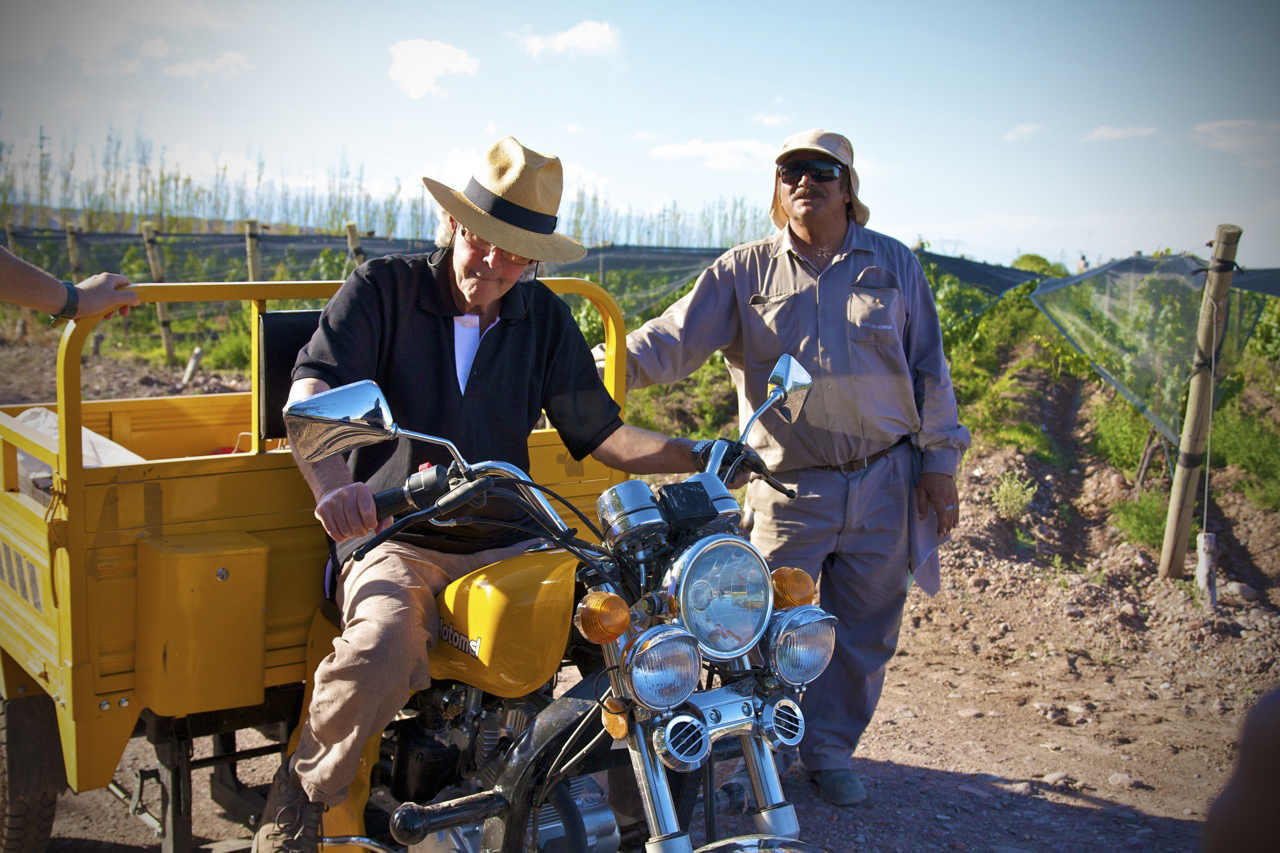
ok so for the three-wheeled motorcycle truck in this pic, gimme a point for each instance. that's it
(169, 583)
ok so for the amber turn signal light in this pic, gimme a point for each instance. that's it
(602, 616)
(614, 717)
(792, 587)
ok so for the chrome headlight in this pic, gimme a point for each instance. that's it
(661, 667)
(725, 595)
(800, 644)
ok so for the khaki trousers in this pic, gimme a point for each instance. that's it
(389, 622)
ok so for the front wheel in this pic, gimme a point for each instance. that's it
(760, 844)
(31, 773)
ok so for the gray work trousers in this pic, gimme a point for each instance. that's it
(851, 533)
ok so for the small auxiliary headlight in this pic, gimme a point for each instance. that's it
(801, 642)
(792, 587)
(602, 617)
(661, 667)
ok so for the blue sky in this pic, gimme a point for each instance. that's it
(985, 128)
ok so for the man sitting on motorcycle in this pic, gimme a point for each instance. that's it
(465, 344)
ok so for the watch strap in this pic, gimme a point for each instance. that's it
(68, 311)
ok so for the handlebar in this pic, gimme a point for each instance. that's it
(420, 491)
(425, 483)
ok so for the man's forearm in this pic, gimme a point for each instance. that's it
(639, 451)
(30, 286)
(327, 474)
(324, 476)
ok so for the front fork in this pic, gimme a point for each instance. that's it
(773, 815)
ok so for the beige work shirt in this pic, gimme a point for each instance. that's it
(865, 328)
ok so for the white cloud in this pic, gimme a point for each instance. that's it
(576, 177)
(588, 37)
(227, 65)
(573, 128)
(1256, 143)
(490, 129)
(205, 165)
(771, 119)
(456, 169)
(1107, 133)
(111, 67)
(733, 155)
(1022, 131)
(90, 30)
(75, 100)
(417, 63)
(156, 48)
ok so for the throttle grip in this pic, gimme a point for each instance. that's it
(418, 492)
(391, 502)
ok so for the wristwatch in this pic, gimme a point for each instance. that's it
(68, 311)
(701, 450)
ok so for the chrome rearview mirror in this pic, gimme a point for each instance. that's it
(794, 382)
(345, 418)
(789, 385)
(339, 420)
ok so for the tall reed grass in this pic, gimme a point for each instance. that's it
(130, 182)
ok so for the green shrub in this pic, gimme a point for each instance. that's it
(231, 352)
(1142, 520)
(1251, 442)
(1012, 495)
(1119, 434)
(705, 405)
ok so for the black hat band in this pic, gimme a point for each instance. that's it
(509, 212)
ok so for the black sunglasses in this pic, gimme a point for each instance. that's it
(820, 171)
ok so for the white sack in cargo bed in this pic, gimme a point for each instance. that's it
(35, 478)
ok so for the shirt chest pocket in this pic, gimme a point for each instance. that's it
(875, 309)
(774, 322)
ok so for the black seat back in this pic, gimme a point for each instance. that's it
(281, 334)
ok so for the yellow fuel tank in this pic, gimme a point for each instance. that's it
(504, 628)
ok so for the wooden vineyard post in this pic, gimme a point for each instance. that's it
(26, 317)
(157, 275)
(353, 244)
(251, 249)
(73, 253)
(1195, 425)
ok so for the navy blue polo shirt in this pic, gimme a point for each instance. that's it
(392, 322)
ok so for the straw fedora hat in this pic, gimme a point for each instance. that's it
(512, 203)
(834, 146)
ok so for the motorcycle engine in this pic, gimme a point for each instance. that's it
(492, 732)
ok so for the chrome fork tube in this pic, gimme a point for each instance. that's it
(651, 776)
(763, 772)
(773, 814)
(759, 760)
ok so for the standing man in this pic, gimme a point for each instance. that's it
(874, 454)
(465, 344)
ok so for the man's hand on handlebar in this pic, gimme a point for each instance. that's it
(751, 462)
(348, 512)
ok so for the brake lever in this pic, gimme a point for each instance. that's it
(777, 485)
(399, 524)
(449, 502)
(758, 468)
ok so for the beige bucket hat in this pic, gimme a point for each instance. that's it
(820, 142)
(512, 203)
